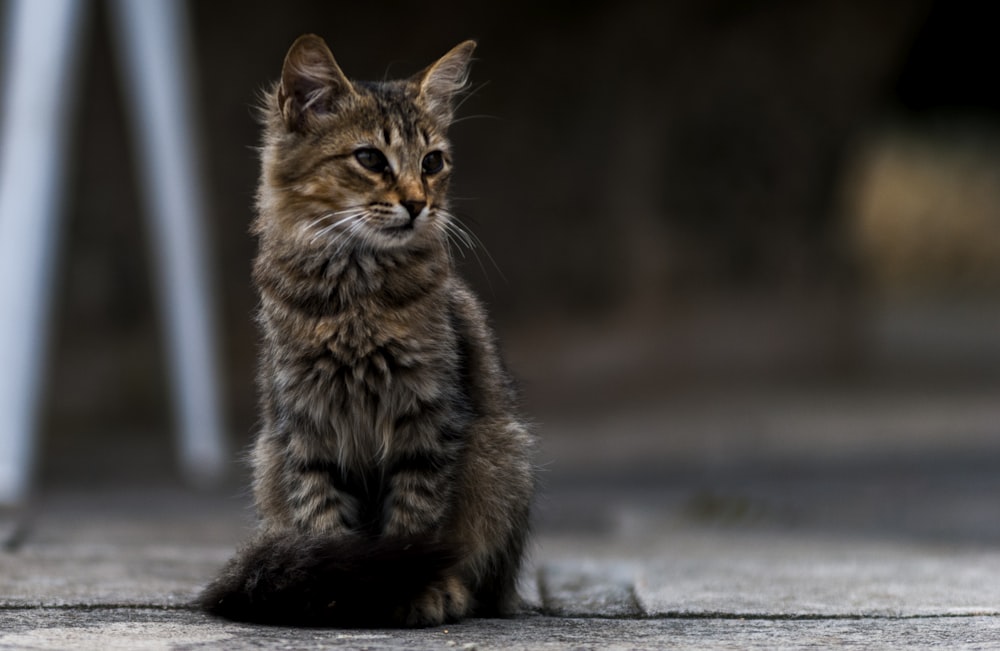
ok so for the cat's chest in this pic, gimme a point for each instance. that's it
(379, 338)
(351, 362)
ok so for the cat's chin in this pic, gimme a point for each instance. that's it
(398, 237)
(403, 231)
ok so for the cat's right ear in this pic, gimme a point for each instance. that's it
(311, 82)
(444, 79)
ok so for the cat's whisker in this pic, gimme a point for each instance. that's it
(452, 224)
(369, 241)
(461, 244)
(475, 243)
(339, 240)
(460, 235)
(335, 213)
(347, 218)
(323, 232)
(469, 95)
(348, 237)
(457, 235)
(329, 214)
(481, 116)
(316, 221)
(342, 240)
(453, 242)
(336, 239)
(445, 229)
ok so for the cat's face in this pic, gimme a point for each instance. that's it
(355, 164)
(373, 172)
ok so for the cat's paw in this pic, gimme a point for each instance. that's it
(445, 601)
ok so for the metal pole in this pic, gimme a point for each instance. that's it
(42, 40)
(153, 51)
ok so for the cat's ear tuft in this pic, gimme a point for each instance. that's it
(311, 82)
(444, 79)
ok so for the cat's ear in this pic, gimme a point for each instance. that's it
(444, 79)
(311, 82)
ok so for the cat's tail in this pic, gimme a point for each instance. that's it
(311, 580)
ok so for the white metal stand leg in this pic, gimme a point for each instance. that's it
(153, 52)
(41, 44)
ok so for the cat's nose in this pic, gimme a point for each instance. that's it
(413, 206)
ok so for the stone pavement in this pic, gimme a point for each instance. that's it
(863, 556)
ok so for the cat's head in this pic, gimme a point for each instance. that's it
(348, 163)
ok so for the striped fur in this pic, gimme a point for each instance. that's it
(389, 432)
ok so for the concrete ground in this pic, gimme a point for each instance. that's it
(852, 548)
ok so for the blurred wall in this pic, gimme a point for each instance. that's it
(659, 187)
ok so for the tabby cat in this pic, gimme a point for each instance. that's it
(392, 474)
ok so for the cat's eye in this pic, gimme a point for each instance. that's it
(372, 159)
(432, 163)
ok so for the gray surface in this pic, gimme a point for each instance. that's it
(148, 629)
(783, 576)
(758, 564)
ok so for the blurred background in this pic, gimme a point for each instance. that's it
(715, 233)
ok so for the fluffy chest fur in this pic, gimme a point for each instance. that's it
(356, 346)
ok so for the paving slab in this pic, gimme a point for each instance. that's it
(105, 575)
(161, 630)
(119, 571)
(704, 575)
(581, 587)
(765, 574)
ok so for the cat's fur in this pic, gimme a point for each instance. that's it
(392, 474)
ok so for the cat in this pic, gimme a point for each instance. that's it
(392, 474)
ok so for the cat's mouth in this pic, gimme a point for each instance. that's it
(399, 228)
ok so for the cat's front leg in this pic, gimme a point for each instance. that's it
(419, 495)
(297, 490)
(317, 487)
(418, 505)
(317, 500)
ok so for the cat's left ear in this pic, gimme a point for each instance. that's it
(311, 82)
(444, 79)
